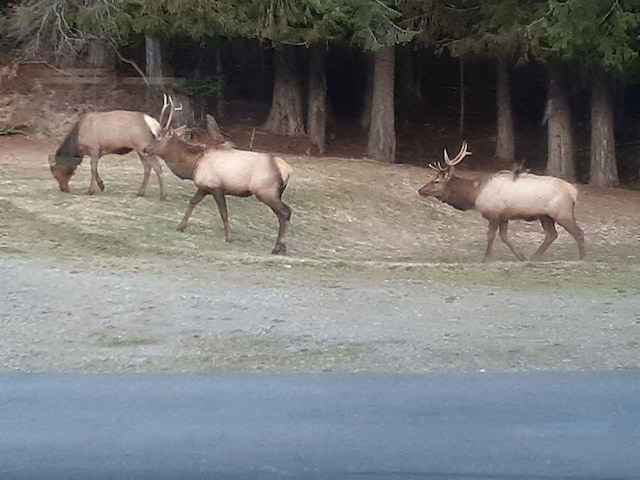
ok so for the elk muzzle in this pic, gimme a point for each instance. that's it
(62, 175)
(429, 190)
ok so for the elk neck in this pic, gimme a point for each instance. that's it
(182, 157)
(68, 153)
(461, 193)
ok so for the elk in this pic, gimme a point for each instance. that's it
(226, 171)
(101, 133)
(503, 196)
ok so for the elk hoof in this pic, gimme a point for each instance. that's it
(91, 191)
(163, 197)
(181, 228)
(279, 249)
(521, 257)
(101, 186)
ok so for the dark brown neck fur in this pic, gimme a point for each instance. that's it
(67, 155)
(182, 157)
(461, 193)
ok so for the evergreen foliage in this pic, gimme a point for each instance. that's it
(597, 34)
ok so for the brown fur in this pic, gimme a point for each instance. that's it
(102, 133)
(225, 171)
(547, 199)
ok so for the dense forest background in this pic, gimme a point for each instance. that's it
(551, 83)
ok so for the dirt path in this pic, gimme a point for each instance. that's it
(57, 317)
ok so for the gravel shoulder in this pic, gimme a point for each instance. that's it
(57, 316)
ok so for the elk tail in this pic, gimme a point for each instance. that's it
(573, 191)
(284, 168)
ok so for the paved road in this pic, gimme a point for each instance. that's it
(188, 426)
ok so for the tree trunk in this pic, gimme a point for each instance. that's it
(100, 54)
(603, 169)
(504, 137)
(382, 135)
(286, 115)
(317, 115)
(560, 148)
(153, 54)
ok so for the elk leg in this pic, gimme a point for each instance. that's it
(283, 212)
(491, 236)
(195, 200)
(504, 230)
(576, 232)
(157, 167)
(95, 177)
(145, 178)
(550, 234)
(218, 194)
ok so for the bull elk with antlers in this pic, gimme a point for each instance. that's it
(102, 133)
(503, 196)
(220, 171)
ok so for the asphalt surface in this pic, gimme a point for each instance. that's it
(326, 426)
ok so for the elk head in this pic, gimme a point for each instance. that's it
(438, 186)
(159, 145)
(61, 172)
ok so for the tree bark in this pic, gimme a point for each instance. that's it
(317, 103)
(504, 138)
(153, 55)
(603, 169)
(286, 114)
(560, 148)
(382, 135)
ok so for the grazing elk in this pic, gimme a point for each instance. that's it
(502, 196)
(101, 133)
(226, 171)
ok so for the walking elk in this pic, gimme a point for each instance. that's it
(226, 171)
(503, 196)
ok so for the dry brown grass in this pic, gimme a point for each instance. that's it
(350, 217)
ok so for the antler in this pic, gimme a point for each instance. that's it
(449, 164)
(165, 105)
(437, 166)
(168, 103)
(458, 158)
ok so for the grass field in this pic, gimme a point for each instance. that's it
(350, 218)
